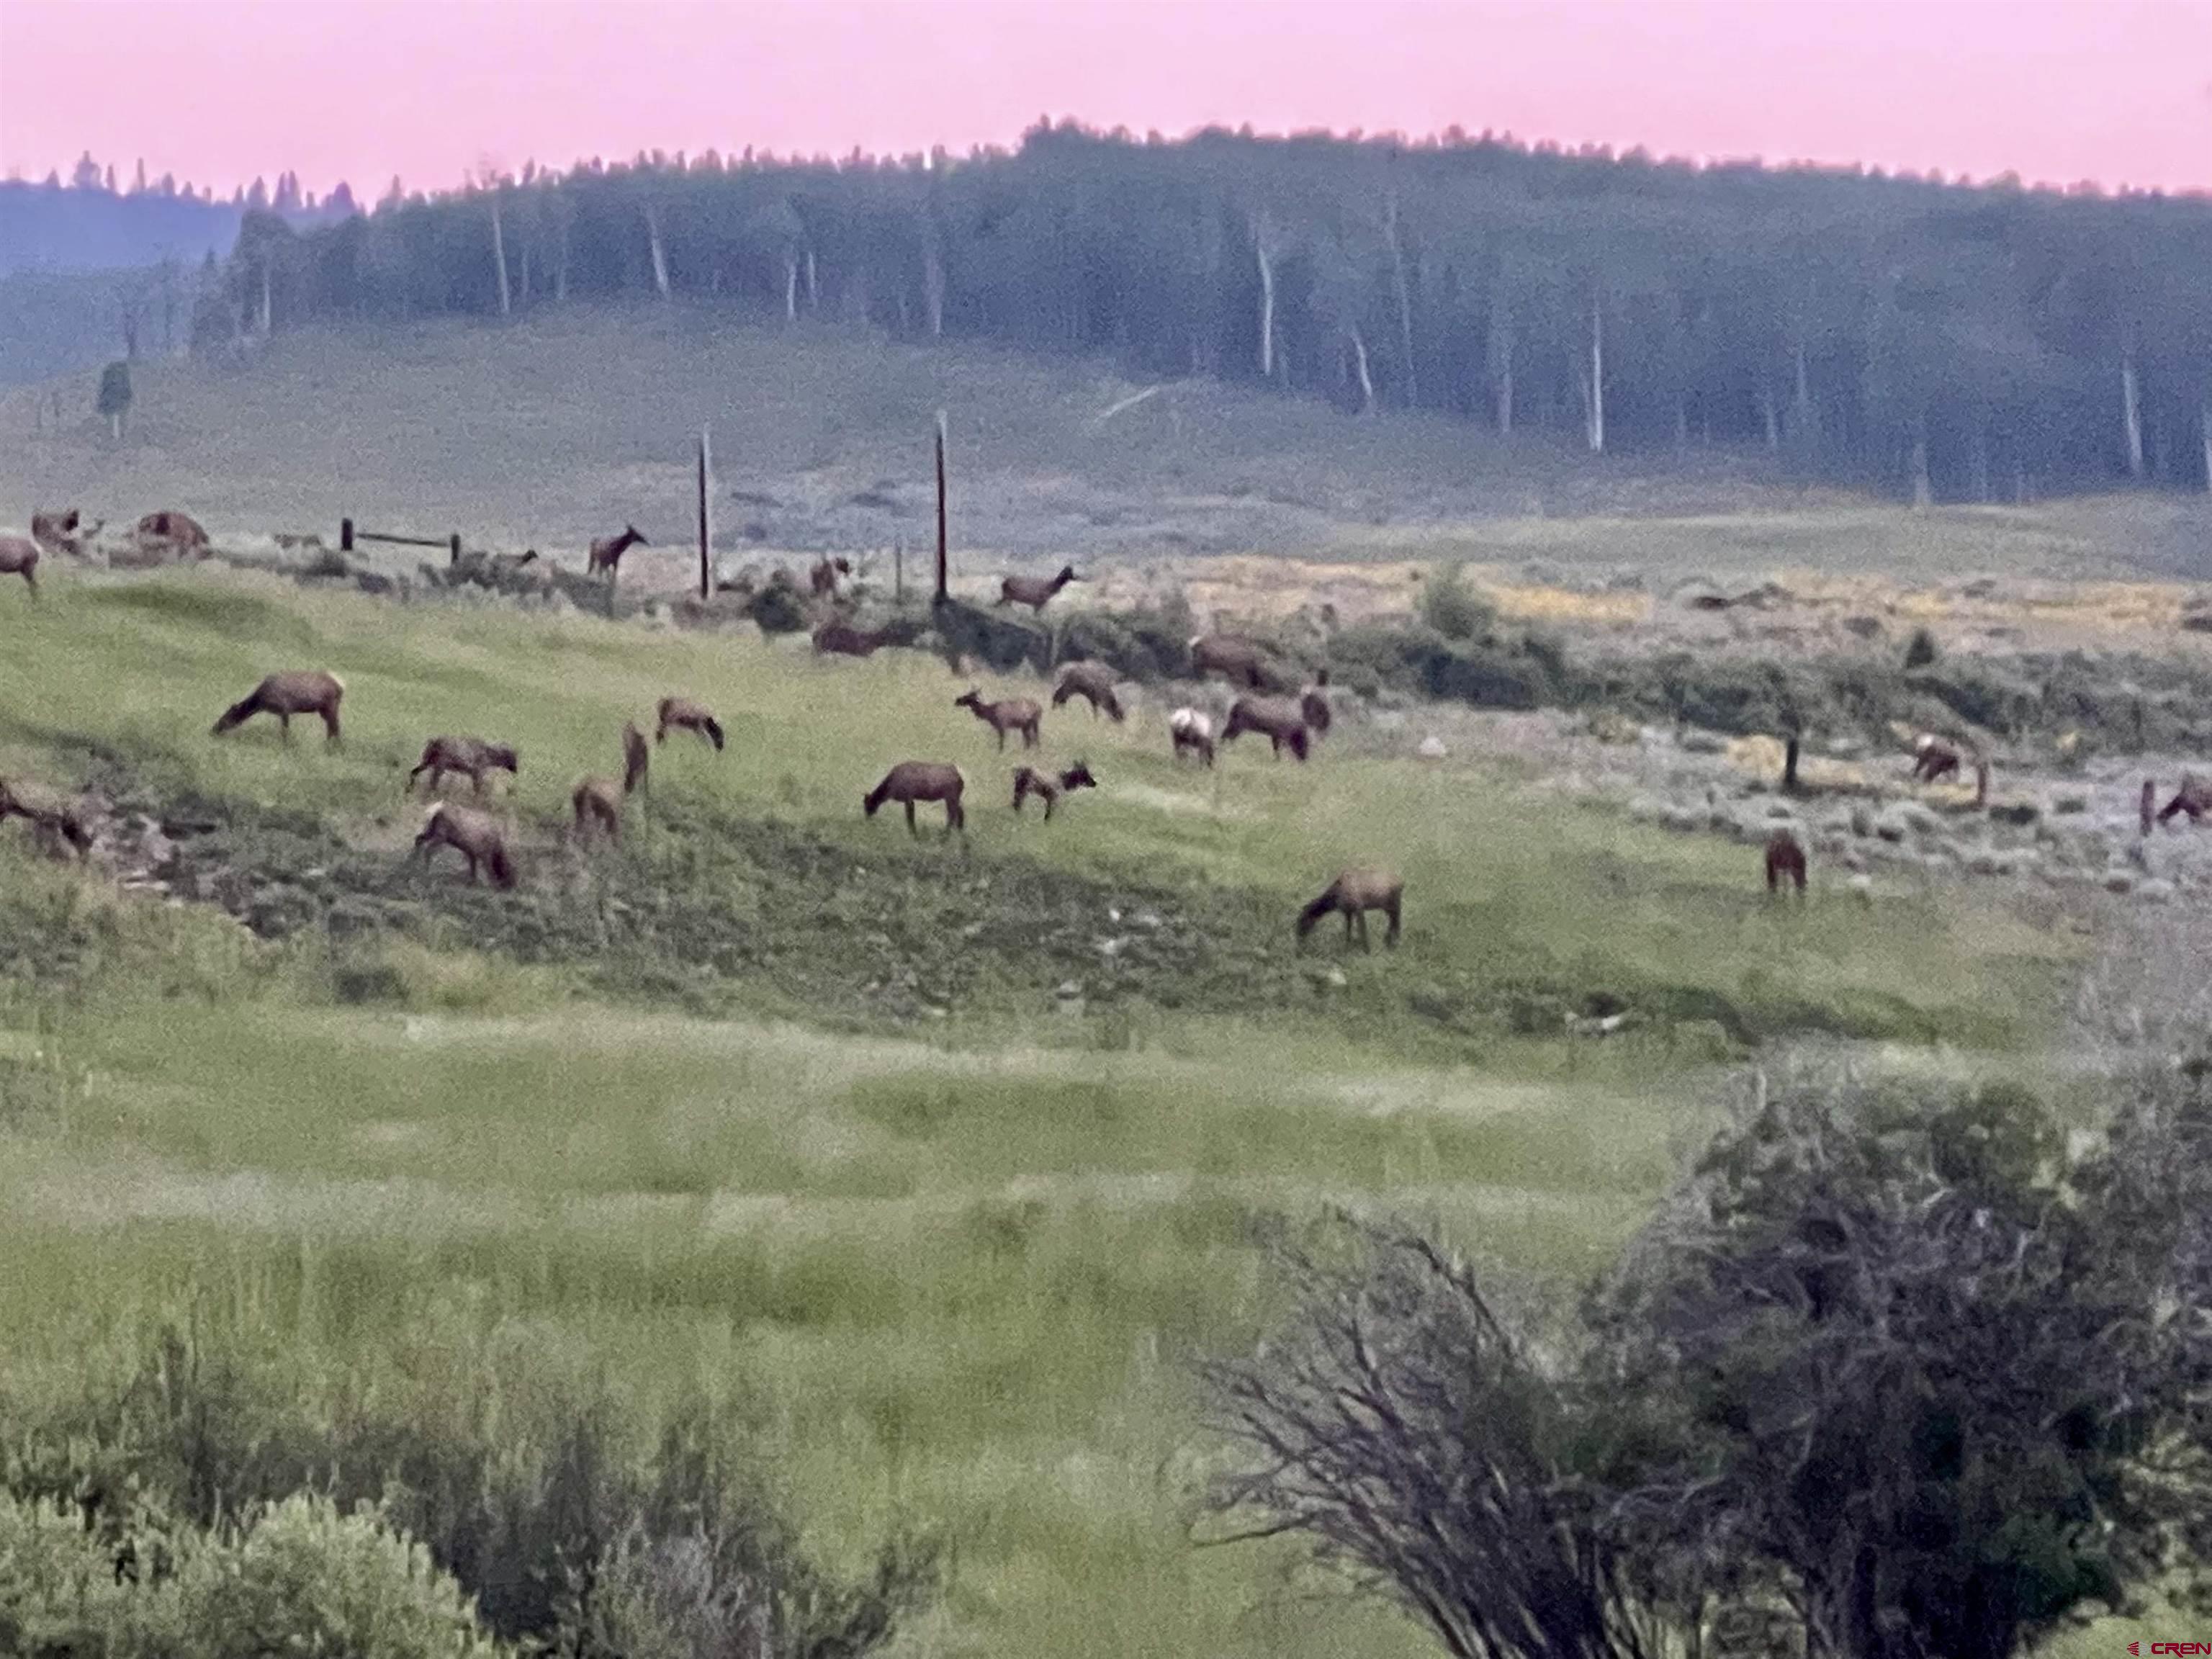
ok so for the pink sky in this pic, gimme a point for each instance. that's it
(2115, 91)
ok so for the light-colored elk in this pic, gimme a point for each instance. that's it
(1191, 731)
(682, 714)
(1014, 715)
(600, 800)
(1352, 895)
(295, 692)
(920, 781)
(471, 756)
(1035, 592)
(476, 836)
(1093, 681)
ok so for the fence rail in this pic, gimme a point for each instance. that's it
(348, 535)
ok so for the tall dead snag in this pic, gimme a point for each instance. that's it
(2131, 414)
(1263, 248)
(2204, 434)
(659, 255)
(499, 255)
(1405, 297)
(706, 520)
(1594, 382)
(942, 564)
(1500, 355)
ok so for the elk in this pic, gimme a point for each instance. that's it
(681, 714)
(53, 817)
(470, 755)
(1093, 681)
(606, 552)
(1015, 714)
(295, 692)
(1313, 703)
(1785, 856)
(1035, 592)
(180, 531)
(1029, 782)
(19, 557)
(1353, 894)
(477, 836)
(838, 637)
(1240, 661)
(1192, 730)
(918, 780)
(1282, 722)
(58, 532)
(824, 576)
(2194, 798)
(1934, 758)
(601, 799)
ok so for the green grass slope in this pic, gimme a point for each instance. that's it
(953, 1234)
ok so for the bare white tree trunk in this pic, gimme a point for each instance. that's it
(2204, 431)
(933, 280)
(1593, 385)
(265, 312)
(1924, 492)
(1405, 298)
(1266, 306)
(499, 256)
(659, 256)
(2131, 414)
(1773, 419)
(813, 291)
(1367, 380)
(790, 289)
(1501, 362)
(560, 263)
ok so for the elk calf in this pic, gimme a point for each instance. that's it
(1035, 592)
(1015, 714)
(1352, 895)
(470, 755)
(296, 691)
(1029, 781)
(1785, 856)
(1190, 730)
(53, 815)
(606, 552)
(682, 714)
(1094, 682)
(600, 799)
(477, 836)
(919, 780)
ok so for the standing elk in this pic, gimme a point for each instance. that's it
(919, 780)
(1028, 781)
(1313, 704)
(1934, 758)
(682, 714)
(2194, 798)
(824, 575)
(1240, 661)
(1352, 895)
(470, 755)
(179, 531)
(1015, 714)
(1281, 722)
(295, 692)
(476, 836)
(606, 552)
(1094, 682)
(52, 816)
(1035, 592)
(1786, 857)
(1192, 730)
(58, 533)
(601, 799)
(19, 557)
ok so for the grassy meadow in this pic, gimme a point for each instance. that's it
(936, 1161)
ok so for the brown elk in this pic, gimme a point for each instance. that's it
(295, 692)
(59, 532)
(19, 557)
(1313, 704)
(1094, 682)
(1353, 894)
(824, 576)
(1015, 714)
(838, 637)
(1934, 758)
(602, 798)
(53, 817)
(1785, 856)
(606, 552)
(1029, 782)
(1190, 729)
(179, 531)
(1035, 592)
(919, 780)
(1240, 661)
(1281, 721)
(682, 714)
(476, 836)
(2194, 798)
(470, 755)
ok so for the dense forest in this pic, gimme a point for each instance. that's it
(97, 221)
(1938, 341)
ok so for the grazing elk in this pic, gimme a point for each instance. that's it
(1015, 714)
(19, 557)
(1785, 856)
(1282, 722)
(919, 780)
(1029, 782)
(2194, 798)
(606, 552)
(295, 692)
(53, 817)
(838, 637)
(682, 714)
(59, 532)
(1353, 894)
(470, 755)
(1192, 730)
(179, 531)
(1035, 592)
(824, 575)
(601, 799)
(1240, 661)
(1094, 682)
(476, 836)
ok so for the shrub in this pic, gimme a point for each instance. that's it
(63, 1597)
(1453, 608)
(1920, 649)
(778, 609)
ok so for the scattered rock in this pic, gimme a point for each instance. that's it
(1431, 748)
(1697, 741)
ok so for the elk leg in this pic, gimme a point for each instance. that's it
(330, 726)
(1390, 937)
(284, 724)
(911, 828)
(1365, 943)
(1002, 731)
(1047, 808)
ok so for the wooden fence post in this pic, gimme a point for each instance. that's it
(345, 535)
(454, 547)
(898, 570)
(1789, 766)
(706, 532)
(942, 593)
